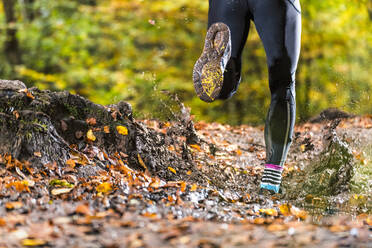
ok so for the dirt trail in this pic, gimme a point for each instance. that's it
(201, 195)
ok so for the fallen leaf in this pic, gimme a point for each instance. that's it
(238, 152)
(150, 215)
(269, 211)
(106, 129)
(28, 93)
(59, 191)
(183, 186)
(302, 147)
(193, 187)
(83, 209)
(276, 227)
(196, 147)
(16, 114)
(90, 135)
(2, 222)
(37, 154)
(62, 183)
(13, 205)
(91, 121)
(19, 185)
(71, 163)
(172, 170)
(141, 162)
(302, 214)
(122, 130)
(285, 209)
(104, 187)
(259, 221)
(189, 172)
(33, 242)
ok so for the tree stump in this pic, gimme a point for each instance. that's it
(44, 127)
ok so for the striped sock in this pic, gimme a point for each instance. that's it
(272, 177)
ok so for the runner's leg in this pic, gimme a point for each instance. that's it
(234, 13)
(279, 26)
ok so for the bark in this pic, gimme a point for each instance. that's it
(11, 46)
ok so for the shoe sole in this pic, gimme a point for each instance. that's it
(209, 68)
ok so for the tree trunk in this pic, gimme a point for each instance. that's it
(11, 47)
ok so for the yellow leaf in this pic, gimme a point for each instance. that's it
(285, 209)
(238, 152)
(104, 187)
(71, 163)
(122, 130)
(194, 187)
(302, 148)
(189, 172)
(172, 170)
(33, 242)
(90, 135)
(269, 211)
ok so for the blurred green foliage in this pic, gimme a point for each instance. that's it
(136, 50)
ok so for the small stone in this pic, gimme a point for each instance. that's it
(12, 85)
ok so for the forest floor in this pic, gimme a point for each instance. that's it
(215, 203)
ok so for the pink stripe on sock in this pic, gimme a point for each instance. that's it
(274, 167)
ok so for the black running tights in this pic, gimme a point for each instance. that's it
(278, 23)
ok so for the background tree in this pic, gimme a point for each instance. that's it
(136, 50)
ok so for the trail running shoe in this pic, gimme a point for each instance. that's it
(209, 68)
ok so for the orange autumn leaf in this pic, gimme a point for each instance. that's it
(28, 93)
(238, 152)
(19, 185)
(71, 163)
(83, 209)
(196, 147)
(106, 129)
(91, 121)
(259, 221)
(189, 172)
(141, 162)
(183, 186)
(276, 227)
(13, 205)
(150, 215)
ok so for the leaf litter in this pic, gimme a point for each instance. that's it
(213, 204)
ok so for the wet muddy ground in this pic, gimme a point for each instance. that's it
(212, 202)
